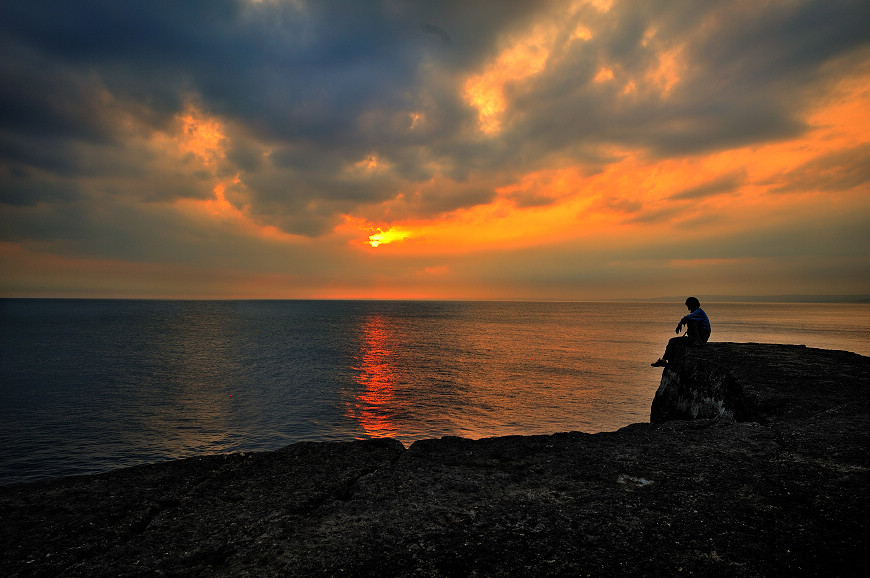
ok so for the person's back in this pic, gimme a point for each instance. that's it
(696, 322)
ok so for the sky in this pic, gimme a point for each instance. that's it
(564, 150)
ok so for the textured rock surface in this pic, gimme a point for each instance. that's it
(699, 383)
(783, 492)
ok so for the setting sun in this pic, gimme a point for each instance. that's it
(388, 236)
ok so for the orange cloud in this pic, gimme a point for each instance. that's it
(202, 139)
(523, 57)
(638, 197)
(200, 136)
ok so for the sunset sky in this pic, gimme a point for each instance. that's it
(434, 149)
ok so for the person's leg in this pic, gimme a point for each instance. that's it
(673, 342)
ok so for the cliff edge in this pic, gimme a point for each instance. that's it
(770, 478)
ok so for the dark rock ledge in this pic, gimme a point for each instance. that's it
(770, 479)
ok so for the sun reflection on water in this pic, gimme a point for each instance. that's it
(374, 406)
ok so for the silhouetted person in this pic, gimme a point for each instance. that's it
(697, 333)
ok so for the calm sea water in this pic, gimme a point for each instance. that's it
(92, 385)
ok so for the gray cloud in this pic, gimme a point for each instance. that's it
(722, 185)
(660, 215)
(749, 72)
(437, 31)
(832, 173)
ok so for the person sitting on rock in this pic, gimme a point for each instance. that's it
(697, 332)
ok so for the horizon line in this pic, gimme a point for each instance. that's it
(779, 298)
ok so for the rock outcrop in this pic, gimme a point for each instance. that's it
(744, 381)
(696, 384)
(771, 479)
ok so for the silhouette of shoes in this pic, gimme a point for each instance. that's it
(660, 363)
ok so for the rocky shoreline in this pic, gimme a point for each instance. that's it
(754, 464)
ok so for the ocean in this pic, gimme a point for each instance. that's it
(92, 385)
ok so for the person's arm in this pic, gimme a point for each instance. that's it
(694, 315)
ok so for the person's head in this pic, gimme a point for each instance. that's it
(692, 303)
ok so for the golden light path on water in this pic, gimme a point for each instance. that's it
(373, 407)
(409, 390)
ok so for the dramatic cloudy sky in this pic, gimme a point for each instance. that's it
(434, 149)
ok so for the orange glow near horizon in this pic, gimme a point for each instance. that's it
(639, 196)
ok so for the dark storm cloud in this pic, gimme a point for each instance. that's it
(23, 186)
(307, 89)
(41, 98)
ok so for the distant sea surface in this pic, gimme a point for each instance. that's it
(92, 385)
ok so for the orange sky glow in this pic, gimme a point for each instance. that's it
(532, 161)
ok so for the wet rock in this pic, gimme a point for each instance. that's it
(780, 489)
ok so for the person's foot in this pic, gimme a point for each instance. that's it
(660, 363)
